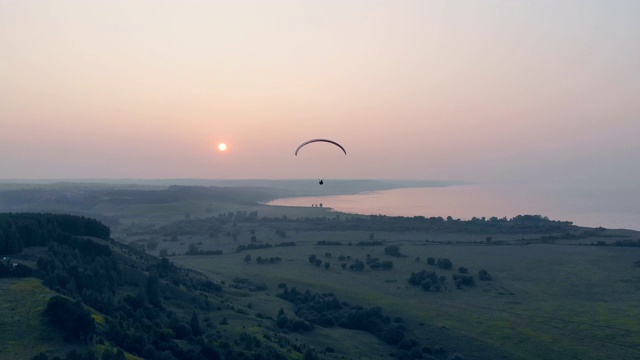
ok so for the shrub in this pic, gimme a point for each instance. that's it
(484, 275)
(357, 266)
(426, 285)
(416, 279)
(466, 280)
(444, 263)
(392, 250)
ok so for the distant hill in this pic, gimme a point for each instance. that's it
(161, 200)
(278, 187)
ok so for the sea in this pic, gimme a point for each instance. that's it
(617, 208)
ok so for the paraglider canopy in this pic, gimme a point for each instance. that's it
(321, 181)
(320, 140)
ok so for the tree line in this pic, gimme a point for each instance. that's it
(22, 230)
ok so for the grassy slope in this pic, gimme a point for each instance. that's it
(24, 332)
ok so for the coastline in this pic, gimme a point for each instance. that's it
(468, 201)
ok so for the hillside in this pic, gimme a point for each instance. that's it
(144, 305)
(24, 333)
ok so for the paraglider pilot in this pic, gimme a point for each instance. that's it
(321, 181)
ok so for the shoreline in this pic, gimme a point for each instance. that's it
(466, 202)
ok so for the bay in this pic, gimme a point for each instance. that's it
(609, 208)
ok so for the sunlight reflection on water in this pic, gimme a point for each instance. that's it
(612, 209)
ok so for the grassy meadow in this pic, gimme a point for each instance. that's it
(25, 333)
(546, 301)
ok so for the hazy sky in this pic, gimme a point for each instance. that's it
(461, 90)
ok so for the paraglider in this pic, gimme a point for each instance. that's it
(320, 140)
(321, 181)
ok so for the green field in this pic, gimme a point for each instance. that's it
(544, 302)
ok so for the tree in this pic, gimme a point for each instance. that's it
(153, 291)
(70, 317)
(426, 285)
(5, 271)
(193, 249)
(431, 260)
(209, 352)
(310, 354)
(21, 270)
(120, 355)
(484, 275)
(182, 330)
(282, 319)
(467, 280)
(247, 258)
(357, 266)
(392, 250)
(195, 324)
(327, 265)
(444, 263)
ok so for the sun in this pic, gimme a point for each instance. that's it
(222, 146)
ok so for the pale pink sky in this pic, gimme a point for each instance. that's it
(461, 90)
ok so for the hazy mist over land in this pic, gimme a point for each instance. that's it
(474, 194)
(470, 90)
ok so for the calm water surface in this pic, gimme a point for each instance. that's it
(610, 208)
